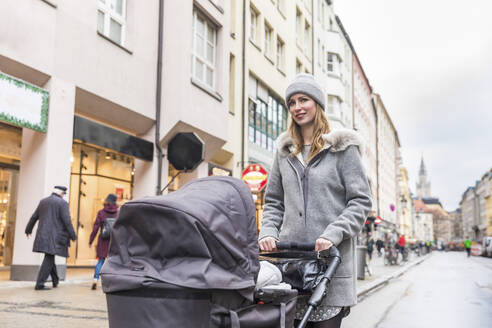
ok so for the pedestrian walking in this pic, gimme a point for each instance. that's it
(53, 235)
(379, 246)
(468, 245)
(110, 211)
(370, 245)
(401, 244)
(427, 246)
(329, 205)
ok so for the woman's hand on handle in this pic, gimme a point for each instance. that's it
(322, 244)
(268, 244)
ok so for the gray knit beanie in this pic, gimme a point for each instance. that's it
(305, 83)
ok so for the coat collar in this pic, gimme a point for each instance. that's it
(336, 140)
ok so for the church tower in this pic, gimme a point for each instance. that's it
(423, 185)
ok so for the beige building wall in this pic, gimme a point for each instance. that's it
(333, 64)
(56, 45)
(267, 69)
(407, 226)
(388, 146)
(59, 46)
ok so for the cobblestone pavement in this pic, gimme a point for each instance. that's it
(73, 304)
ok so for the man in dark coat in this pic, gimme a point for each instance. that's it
(53, 234)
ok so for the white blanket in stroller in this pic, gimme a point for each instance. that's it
(270, 276)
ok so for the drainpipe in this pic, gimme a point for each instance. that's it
(243, 89)
(158, 100)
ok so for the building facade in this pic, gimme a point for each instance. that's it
(476, 209)
(332, 65)
(365, 122)
(100, 75)
(406, 220)
(388, 146)
(423, 219)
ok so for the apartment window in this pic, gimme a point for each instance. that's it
(253, 25)
(298, 26)
(266, 121)
(323, 54)
(307, 38)
(323, 13)
(333, 63)
(298, 66)
(268, 39)
(204, 50)
(280, 53)
(232, 79)
(333, 106)
(281, 6)
(111, 19)
(233, 18)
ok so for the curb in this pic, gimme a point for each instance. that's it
(386, 279)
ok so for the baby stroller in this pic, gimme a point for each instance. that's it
(190, 259)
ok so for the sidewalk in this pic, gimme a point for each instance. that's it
(383, 274)
(73, 304)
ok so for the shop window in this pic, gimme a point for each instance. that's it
(95, 173)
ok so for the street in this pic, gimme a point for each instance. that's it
(447, 290)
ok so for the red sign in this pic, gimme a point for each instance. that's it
(378, 220)
(255, 176)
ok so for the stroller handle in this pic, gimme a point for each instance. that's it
(282, 245)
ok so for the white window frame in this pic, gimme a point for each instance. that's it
(334, 62)
(280, 53)
(323, 14)
(268, 40)
(253, 22)
(307, 37)
(107, 7)
(333, 105)
(281, 6)
(198, 57)
(298, 26)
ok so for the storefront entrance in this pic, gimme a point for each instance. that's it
(10, 149)
(95, 172)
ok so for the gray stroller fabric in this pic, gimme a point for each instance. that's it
(202, 236)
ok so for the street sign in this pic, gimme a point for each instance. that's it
(255, 176)
(378, 220)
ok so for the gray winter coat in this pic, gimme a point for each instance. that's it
(328, 197)
(55, 227)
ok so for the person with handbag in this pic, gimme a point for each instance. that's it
(317, 192)
(104, 220)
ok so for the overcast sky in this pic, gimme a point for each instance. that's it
(431, 62)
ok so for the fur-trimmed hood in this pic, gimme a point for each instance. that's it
(336, 140)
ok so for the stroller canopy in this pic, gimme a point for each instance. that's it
(201, 236)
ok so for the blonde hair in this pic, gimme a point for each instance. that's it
(321, 126)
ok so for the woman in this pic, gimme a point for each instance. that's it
(110, 210)
(317, 192)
